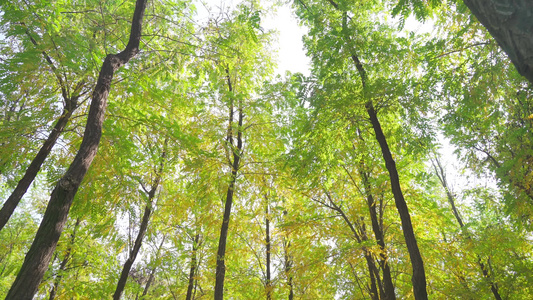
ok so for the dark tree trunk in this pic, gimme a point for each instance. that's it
(236, 151)
(38, 257)
(63, 264)
(268, 285)
(71, 103)
(140, 235)
(419, 274)
(35, 165)
(192, 272)
(510, 22)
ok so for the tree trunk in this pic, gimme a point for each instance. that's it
(38, 257)
(268, 285)
(35, 165)
(419, 274)
(236, 151)
(192, 272)
(140, 235)
(510, 22)
(71, 103)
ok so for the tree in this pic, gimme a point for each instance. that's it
(55, 217)
(345, 38)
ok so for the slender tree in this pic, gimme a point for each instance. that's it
(419, 275)
(193, 268)
(70, 99)
(439, 171)
(143, 227)
(56, 214)
(268, 246)
(236, 152)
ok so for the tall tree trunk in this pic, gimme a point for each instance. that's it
(63, 264)
(34, 167)
(192, 272)
(510, 22)
(71, 103)
(236, 151)
(419, 274)
(38, 257)
(439, 171)
(142, 231)
(268, 285)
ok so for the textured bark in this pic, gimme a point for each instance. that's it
(192, 272)
(236, 151)
(510, 22)
(419, 274)
(38, 257)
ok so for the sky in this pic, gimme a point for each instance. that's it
(291, 55)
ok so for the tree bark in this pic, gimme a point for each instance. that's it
(419, 274)
(34, 167)
(268, 285)
(71, 103)
(236, 151)
(510, 22)
(192, 272)
(38, 257)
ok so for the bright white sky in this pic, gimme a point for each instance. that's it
(291, 55)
